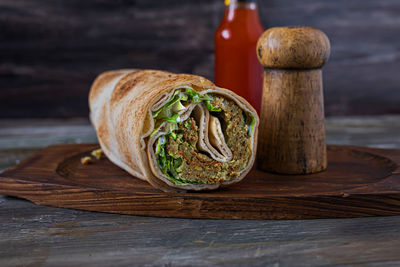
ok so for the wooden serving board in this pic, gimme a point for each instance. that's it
(359, 182)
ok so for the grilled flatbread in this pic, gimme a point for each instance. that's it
(177, 131)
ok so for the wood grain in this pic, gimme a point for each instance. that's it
(33, 235)
(52, 50)
(292, 123)
(292, 130)
(359, 182)
(297, 47)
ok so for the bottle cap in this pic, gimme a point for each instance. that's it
(228, 2)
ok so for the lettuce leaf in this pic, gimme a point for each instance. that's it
(169, 112)
(250, 127)
(188, 124)
(210, 107)
(193, 96)
(174, 118)
(172, 106)
(160, 144)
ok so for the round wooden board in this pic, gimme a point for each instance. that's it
(358, 182)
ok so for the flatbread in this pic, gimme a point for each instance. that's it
(121, 105)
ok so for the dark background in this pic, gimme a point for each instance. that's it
(51, 50)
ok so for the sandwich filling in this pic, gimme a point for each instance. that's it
(177, 151)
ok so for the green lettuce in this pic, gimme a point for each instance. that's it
(173, 106)
(210, 107)
(250, 126)
(173, 118)
(188, 124)
(179, 101)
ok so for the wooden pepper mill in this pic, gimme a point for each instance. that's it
(292, 131)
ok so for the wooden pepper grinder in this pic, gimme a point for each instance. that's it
(292, 131)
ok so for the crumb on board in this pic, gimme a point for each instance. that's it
(86, 160)
(97, 153)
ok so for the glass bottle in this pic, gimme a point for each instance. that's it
(236, 64)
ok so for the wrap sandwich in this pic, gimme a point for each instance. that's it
(177, 131)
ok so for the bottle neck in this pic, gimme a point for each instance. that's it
(234, 4)
(240, 9)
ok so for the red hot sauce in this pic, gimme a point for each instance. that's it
(236, 64)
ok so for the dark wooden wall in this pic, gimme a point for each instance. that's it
(51, 50)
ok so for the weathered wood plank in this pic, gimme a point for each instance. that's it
(52, 50)
(31, 234)
(35, 235)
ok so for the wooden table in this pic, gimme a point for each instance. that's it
(32, 235)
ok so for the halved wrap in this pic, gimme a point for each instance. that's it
(176, 131)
